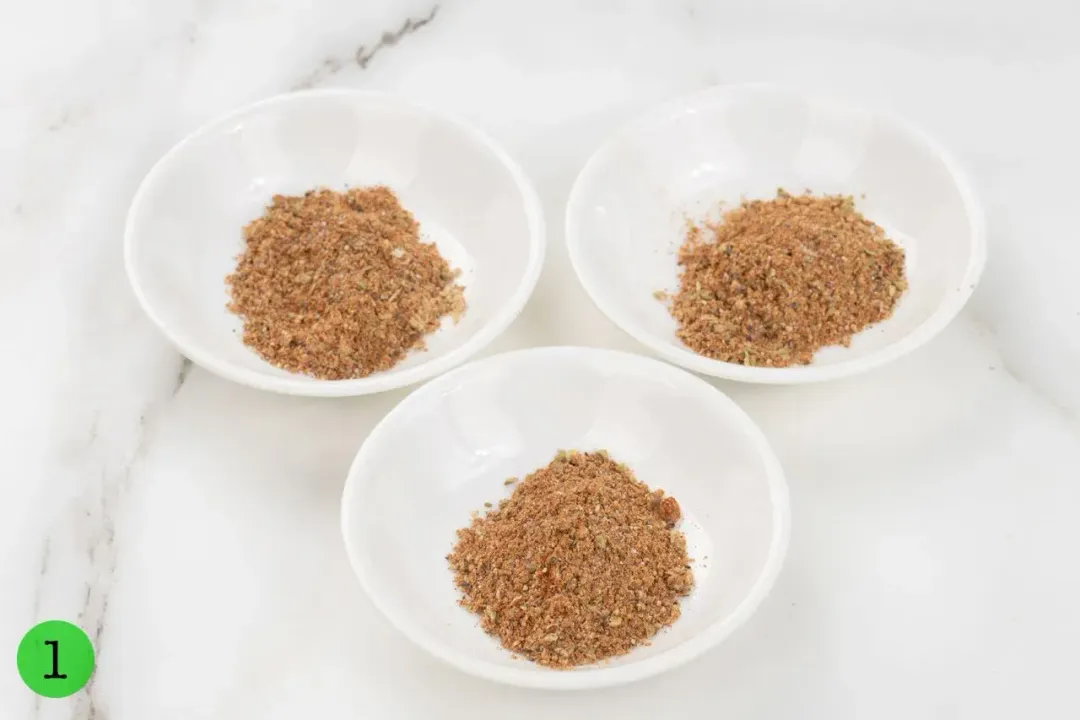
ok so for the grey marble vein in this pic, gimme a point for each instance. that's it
(103, 510)
(330, 66)
(43, 570)
(364, 54)
(182, 375)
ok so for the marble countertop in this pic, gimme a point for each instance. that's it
(191, 525)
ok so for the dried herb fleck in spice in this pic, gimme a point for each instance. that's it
(581, 563)
(776, 280)
(339, 285)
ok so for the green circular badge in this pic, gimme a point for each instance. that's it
(55, 659)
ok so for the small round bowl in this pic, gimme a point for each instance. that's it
(184, 229)
(447, 448)
(628, 210)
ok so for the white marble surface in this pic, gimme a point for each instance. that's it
(191, 525)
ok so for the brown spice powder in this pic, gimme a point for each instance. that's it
(338, 285)
(779, 279)
(579, 564)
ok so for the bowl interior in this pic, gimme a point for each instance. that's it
(185, 227)
(629, 209)
(508, 415)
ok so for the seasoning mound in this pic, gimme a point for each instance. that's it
(776, 280)
(339, 285)
(579, 564)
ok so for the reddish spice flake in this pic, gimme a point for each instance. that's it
(670, 511)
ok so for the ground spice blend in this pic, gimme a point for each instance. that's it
(776, 280)
(579, 564)
(339, 285)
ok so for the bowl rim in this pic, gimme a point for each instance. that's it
(377, 382)
(531, 676)
(945, 312)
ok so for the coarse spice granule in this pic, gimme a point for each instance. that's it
(776, 280)
(579, 564)
(338, 285)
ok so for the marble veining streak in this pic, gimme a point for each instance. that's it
(104, 493)
(365, 53)
(97, 513)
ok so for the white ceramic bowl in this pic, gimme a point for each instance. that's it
(448, 447)
(627, 212)
(184, 229)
